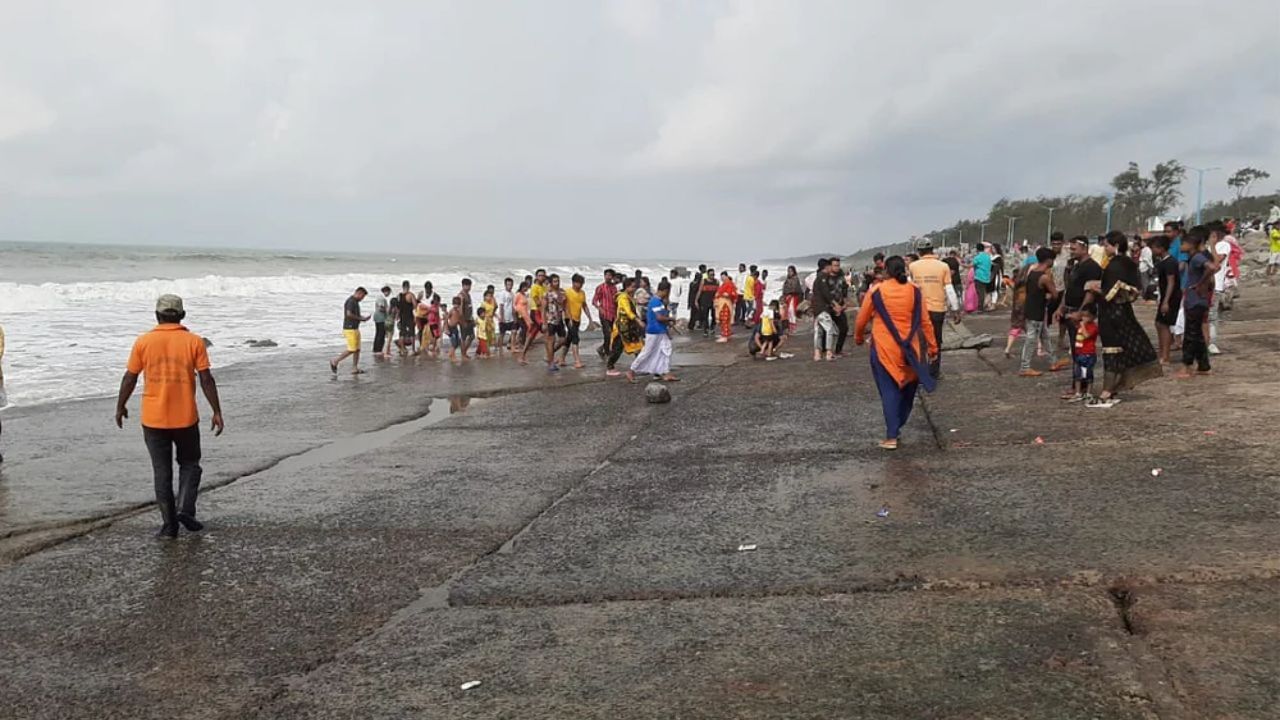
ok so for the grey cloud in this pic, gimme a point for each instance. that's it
(711, 129)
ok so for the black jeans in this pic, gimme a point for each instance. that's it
(161, 444)
(1195, 350)
(842, 329)
(937, 319)
(706, 314)
(379, 336)
(606, 327)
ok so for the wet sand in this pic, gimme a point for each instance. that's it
(576, 550)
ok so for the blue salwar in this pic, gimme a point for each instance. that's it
(896, 401)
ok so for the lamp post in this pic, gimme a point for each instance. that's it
(1200, 187)
(1048, 232)
(1013, 221)
(982, 236)
(1111, 203)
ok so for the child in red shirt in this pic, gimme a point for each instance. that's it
(1084, 353)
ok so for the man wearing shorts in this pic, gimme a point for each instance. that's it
(553, 326)
(467, 321)
(575, 307)
(351, 319)
(506, 314)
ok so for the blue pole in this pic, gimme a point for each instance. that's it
(1199, 193)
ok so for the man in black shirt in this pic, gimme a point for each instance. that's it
(1085, 270)
(839, 301)
(1169, 286)
(351, 319)
(405, 303)
(820, 302)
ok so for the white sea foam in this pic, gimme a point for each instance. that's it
(70, 340)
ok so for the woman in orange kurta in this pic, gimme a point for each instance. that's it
(900, 351)
(726, 298)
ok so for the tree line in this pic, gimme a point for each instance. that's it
(1135, 197)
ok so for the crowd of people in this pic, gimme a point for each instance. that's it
(1087, 289)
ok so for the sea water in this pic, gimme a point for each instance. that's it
(71, 312)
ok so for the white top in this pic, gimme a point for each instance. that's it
(1223, 250)
(506, 306)
(679, 291)
(1145, 262)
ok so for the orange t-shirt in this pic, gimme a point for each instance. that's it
(168, 358)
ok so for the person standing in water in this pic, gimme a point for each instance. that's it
(351, 319)
(170, 358)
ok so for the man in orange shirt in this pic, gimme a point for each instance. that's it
(933, 277)
(171, 357)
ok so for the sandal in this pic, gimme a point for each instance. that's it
(888, 444)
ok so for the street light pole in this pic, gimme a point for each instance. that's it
(1013, 221)
(1048, 232)
(982, 237)
(1111, 202)
(1200, 187)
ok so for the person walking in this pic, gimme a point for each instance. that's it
(605, 301)
(1040, 292)
(351, 319)
(655, 357)
(381, 311)
(170, 358)
(627, 334)
(900, 346)
(933, 277)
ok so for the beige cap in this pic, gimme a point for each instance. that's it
(169, 303)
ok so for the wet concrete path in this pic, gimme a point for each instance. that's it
(576, 551)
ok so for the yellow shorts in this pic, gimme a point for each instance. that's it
(353, 339)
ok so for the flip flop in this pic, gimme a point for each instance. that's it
(357, 372)
(333, 367)
(670, 378)
(888, 444)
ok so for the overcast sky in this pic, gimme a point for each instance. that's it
(627, 127)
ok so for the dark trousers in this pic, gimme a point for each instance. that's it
(606, 327)
(842, 329)
(161, 444)
(982, 295)
(706, 315)
(379, 336)
(615, 352)
(1195, 350)
(739, 311)
(896, 402)
(937, 319)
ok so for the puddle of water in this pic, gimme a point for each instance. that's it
(364, 442)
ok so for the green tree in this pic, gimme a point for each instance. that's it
(1166, 186)
(1135, 194)
(1243, 179)
(1141, 197)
